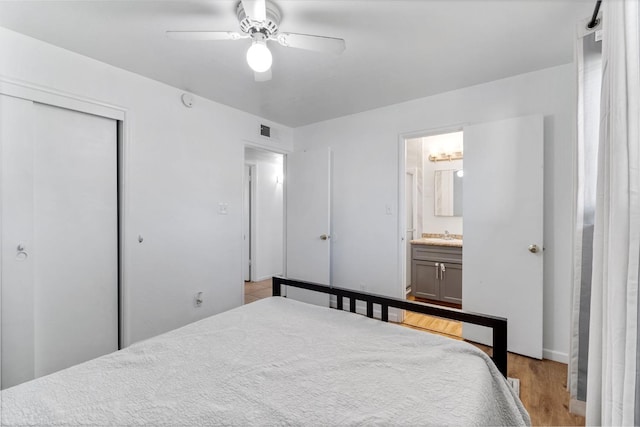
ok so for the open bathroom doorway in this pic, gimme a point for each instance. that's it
(431, 179)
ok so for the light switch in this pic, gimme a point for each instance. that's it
(388, 209)
(223, 208)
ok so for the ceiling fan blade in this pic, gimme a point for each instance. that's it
(262, 77)
(256, 10)
(309, 42)
(205, 35)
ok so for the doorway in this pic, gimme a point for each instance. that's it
(433, 188)
(263, 217)
(431, 247)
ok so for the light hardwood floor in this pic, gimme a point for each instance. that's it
(254, 291)
(434, 325)
(543, 387)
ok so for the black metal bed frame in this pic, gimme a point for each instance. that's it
(497, 324)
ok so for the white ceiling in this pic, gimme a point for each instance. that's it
(396, 50)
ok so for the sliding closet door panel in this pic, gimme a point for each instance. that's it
(76, 236)
(16, 305)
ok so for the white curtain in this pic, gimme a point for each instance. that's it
(613, 381)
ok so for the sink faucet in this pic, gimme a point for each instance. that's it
(447, 236)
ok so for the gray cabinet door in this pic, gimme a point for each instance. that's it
(424, 279)
(451, 283)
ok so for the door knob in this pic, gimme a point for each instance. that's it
(533, 249)
(21, 254)
(324, 237)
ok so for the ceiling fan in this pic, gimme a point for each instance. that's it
(260, 21)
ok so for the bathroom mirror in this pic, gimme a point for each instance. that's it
(448, 192)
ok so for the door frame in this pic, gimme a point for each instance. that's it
(55, 98)
(402, 202)
(251, 216)
(258, 147)
(414, 214)
(414, 189)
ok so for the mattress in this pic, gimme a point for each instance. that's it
(272, 362)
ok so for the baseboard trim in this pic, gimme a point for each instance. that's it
(578, 407)
(260, 279)
(556, 356)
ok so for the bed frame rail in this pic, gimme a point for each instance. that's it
(497, 324)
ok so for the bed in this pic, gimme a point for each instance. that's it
(272, 362)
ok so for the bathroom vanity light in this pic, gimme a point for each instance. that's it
(455, 155)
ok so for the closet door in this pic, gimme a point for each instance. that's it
(75, 236)
(71, 258)
(16, 272)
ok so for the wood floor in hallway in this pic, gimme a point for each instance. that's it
(254, 291)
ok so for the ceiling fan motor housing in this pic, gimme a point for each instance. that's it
(268, 27)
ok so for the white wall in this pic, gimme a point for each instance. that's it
(366, 241)
(180, 164)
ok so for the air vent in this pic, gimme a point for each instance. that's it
(265, 131)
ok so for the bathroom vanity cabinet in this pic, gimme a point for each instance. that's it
(436, 273)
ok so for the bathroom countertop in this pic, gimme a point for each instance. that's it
(437, 241)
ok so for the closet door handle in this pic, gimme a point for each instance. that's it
(442, 271)
(437, 271)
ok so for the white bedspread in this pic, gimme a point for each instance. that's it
(276, 361)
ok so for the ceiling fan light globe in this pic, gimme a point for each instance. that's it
(259, 57)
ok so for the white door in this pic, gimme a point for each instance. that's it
(59, 241)
(503, 217)
(308, 220)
